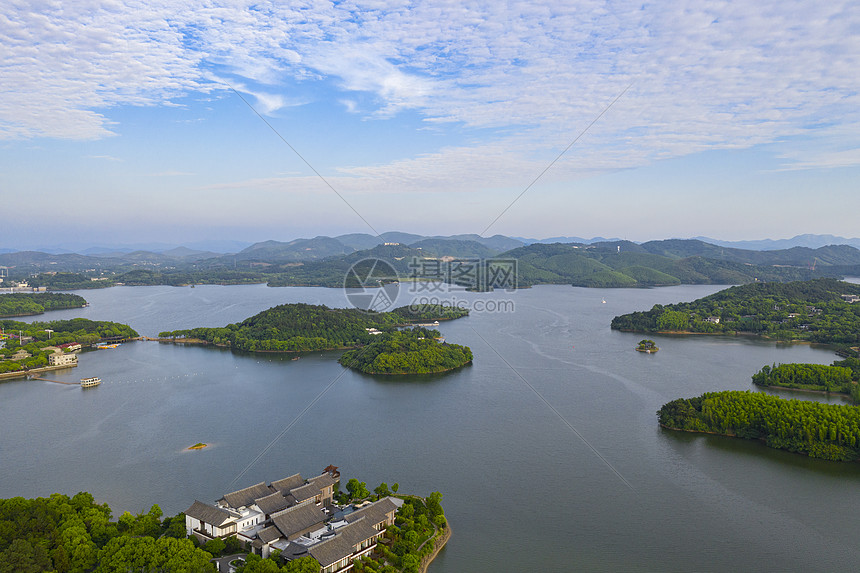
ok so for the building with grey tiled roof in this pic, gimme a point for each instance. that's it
(273, 503)
(305, 492)
(379, 514)
(348, 544)
(246, 497)
(294, 516)
(288, 483)
(299, 520)
(209, 520)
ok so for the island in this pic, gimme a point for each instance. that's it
(820, 310)
(839, 378)
(826, 431)
(198, 446)
(412, 351)
(28, 304)
(647, 346)
(382, 347)
(39, 346)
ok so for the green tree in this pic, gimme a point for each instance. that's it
(357, 489)
(381, 490)
(302, 565)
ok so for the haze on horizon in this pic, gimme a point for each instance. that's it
(120, 124)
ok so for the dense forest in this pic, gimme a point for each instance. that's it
(429, 312)
(412, 351)
(818, 430)
(76, 535)
(841, 377)
(805, 310)
(305, 327)
(80, 330)
(25, 304)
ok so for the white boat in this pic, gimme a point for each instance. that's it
(90, 382)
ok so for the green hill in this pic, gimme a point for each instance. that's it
(804, 310)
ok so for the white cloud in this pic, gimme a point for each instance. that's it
(705, 75)
(105, 157)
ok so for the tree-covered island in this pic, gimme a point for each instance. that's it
(818, 310)
(383, 347)
(647, 346)
(841, 377)
(28, 304)
(412, 351)
(826, 431)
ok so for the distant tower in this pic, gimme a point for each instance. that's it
(619, 248)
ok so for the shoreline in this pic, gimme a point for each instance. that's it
(441, 542)
(406, 373)
(762, 441)
(809, 390)
(25, 373)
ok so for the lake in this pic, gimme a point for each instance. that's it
(546, 448)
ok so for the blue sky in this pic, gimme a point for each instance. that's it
(119, 123)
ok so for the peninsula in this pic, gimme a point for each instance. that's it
(826, 431)
(384, 349)
(261, 523)
(820, 310)
(40, 345)
(309, 525)
(28, 304)
(841, 377)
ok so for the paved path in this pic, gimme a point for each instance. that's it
(223, 563)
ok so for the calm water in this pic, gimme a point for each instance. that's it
(533, 446)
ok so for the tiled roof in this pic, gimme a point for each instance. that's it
(343, 544)
(296, 519)
(289, 483)
(248, 495)
(322, 481)
(376, 512)
(359, 531)
(272, 503)
(269, 534)
(331, 551)
(208, 513)
(305, 492)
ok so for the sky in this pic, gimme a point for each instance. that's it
(179, 122)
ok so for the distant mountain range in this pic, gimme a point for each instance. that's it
(811, 241)
(322, 247)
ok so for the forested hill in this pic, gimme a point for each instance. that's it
(818, 430)
(414, 351)
(24, 304)
(305, 327)
(672, 262)
(808, 310)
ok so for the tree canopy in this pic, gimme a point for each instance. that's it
(818, 430)
(76, 535)
(806, 310)
(412, 351)
(24, 304)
